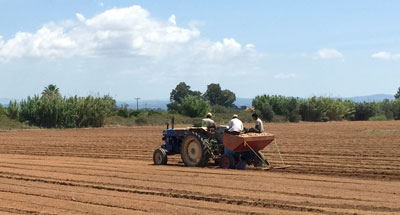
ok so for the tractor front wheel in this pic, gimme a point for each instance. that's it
(227, 162)
(193, 151)
(160, 157)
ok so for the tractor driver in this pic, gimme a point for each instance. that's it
(235, 125)
(208, 122)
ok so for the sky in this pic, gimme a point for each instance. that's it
(130, 49)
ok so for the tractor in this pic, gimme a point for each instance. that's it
(198, 145)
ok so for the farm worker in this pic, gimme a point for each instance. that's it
(259, 128)
(208, 122)
(235, 125)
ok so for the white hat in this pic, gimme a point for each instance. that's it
(209, 114)
(234, 116)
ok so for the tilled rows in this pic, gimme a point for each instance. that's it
(351, 149)
(66, 185)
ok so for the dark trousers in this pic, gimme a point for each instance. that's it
(233, 132)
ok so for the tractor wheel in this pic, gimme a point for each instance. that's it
(259, 163)
(193, 151)
(160, 157)
(227, 162)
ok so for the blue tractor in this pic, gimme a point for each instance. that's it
(198, 145)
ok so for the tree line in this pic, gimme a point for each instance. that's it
(51, 110)
(316, 109)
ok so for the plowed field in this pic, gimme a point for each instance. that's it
(336, 168)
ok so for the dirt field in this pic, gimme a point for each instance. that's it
(336, 168)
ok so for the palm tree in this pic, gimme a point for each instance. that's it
(51, 91)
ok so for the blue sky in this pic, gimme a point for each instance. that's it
(143, 49)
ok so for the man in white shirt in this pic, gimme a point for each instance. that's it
(235, 125)
(208, 122)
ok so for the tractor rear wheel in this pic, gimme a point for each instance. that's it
(160, 157)
(194, 152)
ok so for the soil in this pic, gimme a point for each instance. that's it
(335, 168)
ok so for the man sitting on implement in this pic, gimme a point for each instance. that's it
(235, 125)
(259, 128)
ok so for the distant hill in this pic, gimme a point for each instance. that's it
(371, 98)
(243, 102)
(149, 104)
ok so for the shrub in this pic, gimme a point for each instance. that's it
(220, 109)
(266, 112)
(123, 111)
(141, 119)
(313, 110)
(396, 109)
(194, 106)
(2, 110)
(277, 103)
(59, 112)
(386, 108)
(365, 110)
(378, 118)
(292, 110)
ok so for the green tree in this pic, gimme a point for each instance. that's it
(351, 109)
(386, 108)
(396, 109)
(2, 110)
(53, 111)
(313, 109)
(336, 109)
(365, 110)
(51, 91)
(13, 110)
(194, 106)
(292, 110)
(266, 112)
(216, 96)
(181, 91)
(278, 103)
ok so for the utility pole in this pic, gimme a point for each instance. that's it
(137, 103)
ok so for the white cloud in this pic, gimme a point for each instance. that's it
(329, 54)
(285, 76)
(386, 56)
(118, 31)
(80, 17)
(127, 31)
(172, 19)
(135, 41)
(250, 46)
